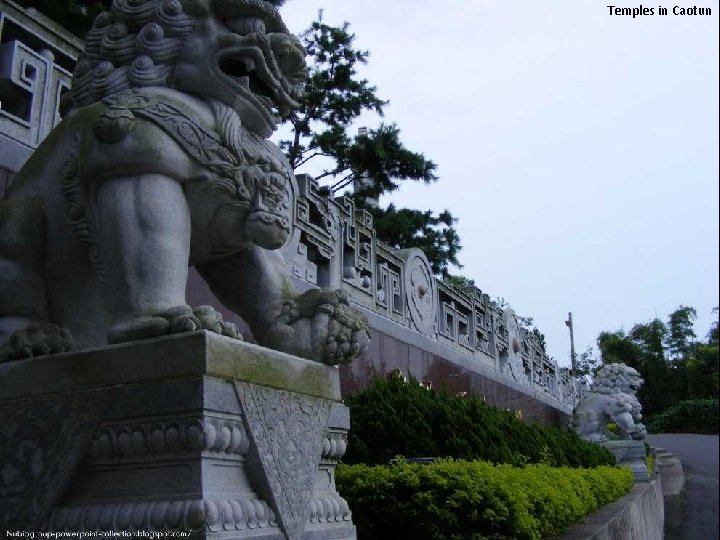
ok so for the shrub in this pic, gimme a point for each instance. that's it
(450, 500)
(691, 416)
(394, 417)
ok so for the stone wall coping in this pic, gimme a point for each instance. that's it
(169, 357)
(639, 515)
(670, 469)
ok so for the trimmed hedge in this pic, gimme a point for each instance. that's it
(450, 500)
(691, 416)
(394, 417)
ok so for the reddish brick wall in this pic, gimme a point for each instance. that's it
(387, 354)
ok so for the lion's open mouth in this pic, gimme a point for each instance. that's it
(242, 71)
(253, 70)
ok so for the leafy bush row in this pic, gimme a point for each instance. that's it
(691, 416)
(396, 417)
(450, 500)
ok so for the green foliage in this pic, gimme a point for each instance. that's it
(375, 161)
(673, 365)
(691, 416)
(460, 282)
(612, 431)
(393, 417)
(713, 337)
(453, 500)
(587, 363)
(650, 464)
(435, 235)
(680, 331)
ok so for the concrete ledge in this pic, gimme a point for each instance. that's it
(670, 470)
(640, 515)
(169, 357)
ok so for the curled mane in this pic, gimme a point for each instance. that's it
(137, 43)
(614, 378)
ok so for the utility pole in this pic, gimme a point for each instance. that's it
(569, 324)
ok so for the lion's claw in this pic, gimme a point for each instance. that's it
(38, 339)
(176, 320)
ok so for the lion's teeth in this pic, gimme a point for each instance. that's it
(244, 81)
(249, 64)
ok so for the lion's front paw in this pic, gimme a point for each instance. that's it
(173, 321)
(639, 432)
(38, 339)
(320, 325)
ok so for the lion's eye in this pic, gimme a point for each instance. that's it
(246, 25)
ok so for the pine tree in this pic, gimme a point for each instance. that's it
(374, 161)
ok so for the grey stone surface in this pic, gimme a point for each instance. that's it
(612, 398)
(32, 79)
(178, 356)
(163, 162)
(333, 244)
(637, 516)
(670, 470)
(180, 445)
(630, 453)
(41, 444)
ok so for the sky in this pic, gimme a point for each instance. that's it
(578, 149)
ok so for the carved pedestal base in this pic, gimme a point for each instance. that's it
(195, 433)
(630, 454)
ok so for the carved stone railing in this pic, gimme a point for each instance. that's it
(334, 245)
(36, 61)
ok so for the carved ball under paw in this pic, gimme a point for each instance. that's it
(320, 325)
(38, 339)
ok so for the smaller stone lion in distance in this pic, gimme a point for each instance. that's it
(612, 399)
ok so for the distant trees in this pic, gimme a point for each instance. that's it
(674, 365)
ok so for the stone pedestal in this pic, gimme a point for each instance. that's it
(194, 432)
(631, 454)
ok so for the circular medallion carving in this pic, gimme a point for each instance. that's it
(512, 361)
(420, 290)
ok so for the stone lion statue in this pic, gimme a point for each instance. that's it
(162, 162)
(611, 399)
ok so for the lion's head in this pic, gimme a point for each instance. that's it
(617, 379)
(238, 52)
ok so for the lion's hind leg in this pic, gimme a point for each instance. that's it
(24, 329)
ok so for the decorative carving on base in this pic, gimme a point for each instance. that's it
(287, 433)
(42, 440)
(213, 515)
(169, 437)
